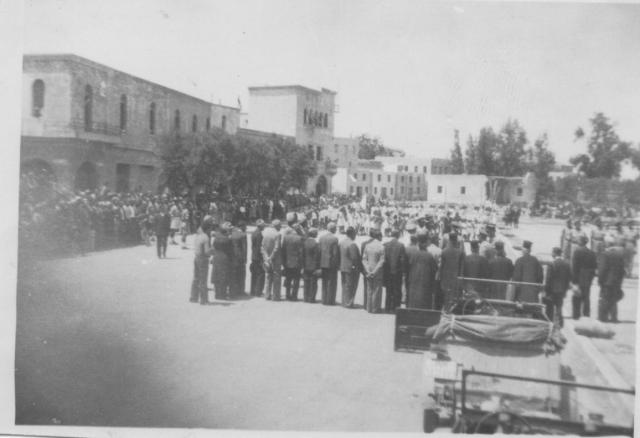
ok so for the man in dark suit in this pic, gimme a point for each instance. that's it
(475, 266)
(329, 262)
(450, 269)
(584, 265)
(349, 267)
(256, 268)
(238, 239)
(557, 284)
(311, 265)
(610, 276)
(395, 261)
(292, 249)
(529, 270)
(163, 227)
(500, 268)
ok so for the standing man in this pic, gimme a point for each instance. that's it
(203, 251)
(529, 270)
(349, 267)
(421, 276)
(163, 226)
(373, 262)
(584, 267)
(450, 269)
(486, 249)
(239, 262)
(292, 253)
(256, 267)
(272, 258)
(610, 277)
(565, 240)
(500, 268)
(475, 266)
(221, 262)
(329, 262)
(576, 236)
(558, 279)
(311, 266)
(364, 274)
(394, 259)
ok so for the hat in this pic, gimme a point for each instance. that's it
(275, 223)
(498, 245)
(259, 223)
(411, 226)
(313, 231)
(291, 216)
(527, 244)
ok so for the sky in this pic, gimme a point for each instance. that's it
(406, 71)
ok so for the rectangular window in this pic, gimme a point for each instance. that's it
(364, 177)
(319, 153)
(415, 169)
(406, 168)
(463, 190)
(402, 179)
(366, 190)
(388, 178)
(391, 191)
(353, 189)
(375, 190)
(355, 176)
(379, 177)
(439, 189)
(410, 179)
(519, 191)
(424, 169)
(399, 168)
(401, 189)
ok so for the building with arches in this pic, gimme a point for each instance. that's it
(90, 125)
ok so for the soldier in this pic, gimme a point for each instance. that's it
(272, 259)
(475, 266)
(364, 274)
(576, 236)
(527, 269)
(565, 240)
(394, 259)
(292, 253)
(256, 267)
(583, 266)
(349, 267)
(162, 223)
(557, 284)
(597, 240)
(329, 262)
(311, 266)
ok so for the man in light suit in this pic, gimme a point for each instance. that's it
(349, 267)
(329, 263)
(272, 259)
(373, 262)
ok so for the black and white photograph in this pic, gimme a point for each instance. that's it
(324, 216)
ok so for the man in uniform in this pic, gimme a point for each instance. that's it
(292, 249)
(583, 266)
(238, 239)
(311, 266)
(203, 251)
(557, 284)
(349, 267)
(529, 270)
(256, 267)
(610, 277)
(500, 268)
(576, 236)
(395, 259)
(272, 259)
(329, 262)
(597, 240)
(475, 266)
(450, 269)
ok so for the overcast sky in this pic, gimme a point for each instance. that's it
(406, 71)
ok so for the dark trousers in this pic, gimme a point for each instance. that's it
(291, 283)
(161, 246)
(199, 290)
(329, 286)
(349, 287)
(553, 305)
(608, 304)
(237, 282)
(310, 286)
(393, 295)
(220, 277)
(582, 304)
(257, 278)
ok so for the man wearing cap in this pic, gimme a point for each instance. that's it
(475, 266)
(500, 268)
(203, 251)
(272, 259)
(583, 266)
(292, 254)
(349, 266)
(256, 267)
(394, 260)
(450, 269)
(610, 277)
(529, 270)
(557, 284)
(311, 265)
(329, 262)
(373, 262)
(238, 237)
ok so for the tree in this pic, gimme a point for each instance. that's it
(541, 161)
(457, 163)
(486, 150)
(605, 150)
(470, 162)
(370, 148)
(510, 153)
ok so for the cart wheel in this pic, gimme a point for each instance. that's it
(429, 420)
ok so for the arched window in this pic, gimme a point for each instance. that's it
(208, 124)
(88, 108)
(152, 118)
(37, 97)
(176, 120)
(305, 116)
(123, 112)
(224, 122)
(194, 124)
(326, 120)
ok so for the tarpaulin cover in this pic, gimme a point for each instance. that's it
(504, 330)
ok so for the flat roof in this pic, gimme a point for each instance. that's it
(82, 60)
(292, 87)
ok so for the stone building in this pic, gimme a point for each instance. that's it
(457, 189)
(88, 125)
